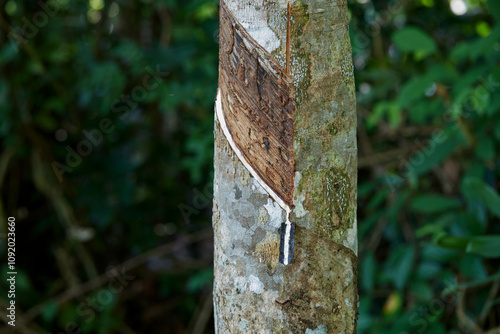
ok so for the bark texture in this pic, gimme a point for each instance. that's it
(258, 98)
(317, 293)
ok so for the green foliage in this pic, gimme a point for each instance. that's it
(413, 39)
(433, 204)
(478, 190)
(428, 197)
(401, 264)
(494, 8)
(147, 70)
(485, 245)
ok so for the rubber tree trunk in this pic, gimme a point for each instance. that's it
(317, 292)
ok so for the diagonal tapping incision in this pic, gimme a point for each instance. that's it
(255, 105)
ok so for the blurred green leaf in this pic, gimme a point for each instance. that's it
(483, 29)
(429, 269)
(436, 227)
(494, 7)
(198, 280)
(494, 105)
(7, 53)
(403, 264)
(206, 10)
(378, 199)
(476, 189)
(483, 47)
(50, 311)
(431, 228)
(486, 150)
(368, 272)
(487, 246)
(438, 149)
(433, 203)
(460, 52)
(365, 321)
(452, 242)
(433, 252)
(424, 111)
(391, 109)
(414, 89)
(472, 266)
(421, 290)
(413, 39)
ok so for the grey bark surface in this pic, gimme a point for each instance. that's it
(317, 293)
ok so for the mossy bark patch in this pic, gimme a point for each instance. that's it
(324, 288)
(321, 282)
(325, 126)
(330, 203)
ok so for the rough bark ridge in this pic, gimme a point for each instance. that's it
(317, 293)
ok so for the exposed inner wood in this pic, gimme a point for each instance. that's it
(257, 101)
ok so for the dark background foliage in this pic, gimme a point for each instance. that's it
(106, 117)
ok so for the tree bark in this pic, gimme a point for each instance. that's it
(317, 292)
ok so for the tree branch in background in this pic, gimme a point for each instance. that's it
(103, 278)
(47, 185)
(202, 315)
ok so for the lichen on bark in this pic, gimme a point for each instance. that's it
(329, 203)
(324, 289)
(325, 127)
(245, 287)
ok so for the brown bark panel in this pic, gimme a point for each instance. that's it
(257, 102)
